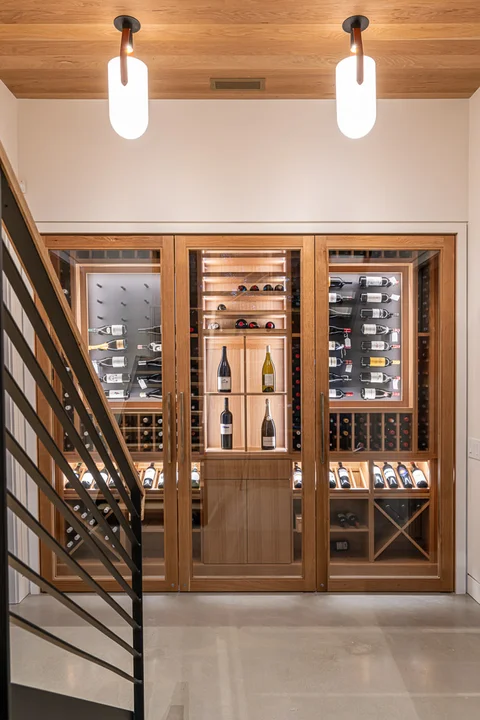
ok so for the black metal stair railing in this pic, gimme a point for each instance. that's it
(112, 535)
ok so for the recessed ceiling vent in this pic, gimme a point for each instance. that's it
(237, 83)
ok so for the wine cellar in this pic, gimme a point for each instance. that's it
(287, 400)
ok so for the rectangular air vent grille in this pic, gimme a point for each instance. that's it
(237, 83)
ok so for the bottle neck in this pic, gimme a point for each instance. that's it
(226, 404)
(267, 407)
(224, 352)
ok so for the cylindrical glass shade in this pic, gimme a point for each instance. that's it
(356, 104)
(128, 104)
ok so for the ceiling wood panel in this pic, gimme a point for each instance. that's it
(423, 48)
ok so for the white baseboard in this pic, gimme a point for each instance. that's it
(473, 588)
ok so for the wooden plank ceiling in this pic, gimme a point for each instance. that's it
(59, 48)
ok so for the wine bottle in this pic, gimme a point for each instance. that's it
(155, 330)
(376, 313)
(114, 330)
(377, 394)
(352, 519)
(110, 345)
(390, 476)
(226, 428)
(341, 312)
(153, 363)
(376, 281)
(374, 377)
(333, 345)
(405, 476)
(156, 393)
(147, 420)
(334, 330)
(377, 345)
(213, 326)
(154, 346)
(153, 379)
(113, 378)
(116, 362)
(419, 477)
(339, 545)
(331, 479)
(335, 393)
(342, 519)
(297, 476)
(76, 471)
(337, 283)
(87, 479)
(268, 373)
(334, 361)
(195, 477)
(378, 481)
(378, 362)
(376, 298)
(224, 374)
(343, 476)
(337, 298)
(161, 480)
(333, 377)
(269, 440)
(368, 329)
(149, 476)
(394, 514)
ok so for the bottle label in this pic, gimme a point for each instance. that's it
(377, 362)
(377, 313)
(268, 442)
(224, 383)
(378, 345)
(113, 378)
(226, 429)
(376, 377)
(332, 393)
(118, 362)
(373, 297)
(369, 394)
(389, 473)
(418, 475)
(333, 362)
(149, 474)
(373, 282)
(268, 379)
(369, 329)
(117, 329)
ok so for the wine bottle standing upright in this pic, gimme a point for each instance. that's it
(268, 373)
(226, 428)
(269, 440)
(224, 374)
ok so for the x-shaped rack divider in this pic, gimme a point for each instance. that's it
(401, 529)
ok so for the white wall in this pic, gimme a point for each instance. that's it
(237, 161)
(473, 544)
(9, 124)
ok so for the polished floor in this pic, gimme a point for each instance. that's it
(274, 657)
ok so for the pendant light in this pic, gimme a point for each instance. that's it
(356, 84)
(127, 84)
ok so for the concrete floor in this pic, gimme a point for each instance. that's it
(273, 657)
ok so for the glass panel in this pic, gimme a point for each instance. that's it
(115, 296)
(383, 464)
(247, 486)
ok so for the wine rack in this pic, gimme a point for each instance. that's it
(373, 432)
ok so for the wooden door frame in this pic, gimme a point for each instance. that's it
(164, 244)
(445, 428)
(305, 243)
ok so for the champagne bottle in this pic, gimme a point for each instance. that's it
(405, 476)
(371, 329)
(155, 330)
(378, 362)
(226, 428)
(117, 394)
(114, 330)
(195, 477)
(419, 477)
(375, 298)
(153, 346)
(337, 283)
(115, 361)
(331, 480)
(390, 476)
(269, 440)
(378, 481)
(153, 363)
(352, 519)
(374, 377)
(376, 313)
(343, 476)
(155, 393)
(224, 374)
(110, 345)
(112, 378)
(377, 345)
(377, 394)
(149, 476)
(337, 298)
(297, 476)
(268, 373)
(335, 393)
(376, 281)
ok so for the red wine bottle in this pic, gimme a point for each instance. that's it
(226, 428)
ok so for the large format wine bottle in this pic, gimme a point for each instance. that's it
(419, 477)
(113, 378)
(378, 362)
(268, 373)
(226, 428)
(374, 377)
(110, 345)
(269, 440)
(343, 476)
(224, 374)
(337, 282)
(390, 476)
(114, 330)
(376, 281)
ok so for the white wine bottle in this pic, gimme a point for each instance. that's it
(268, 373)
(378, 362)
(224, 373)
(114, 330)
(269, 439)
(113, 378)
(110, 345)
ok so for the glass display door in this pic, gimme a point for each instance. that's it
(385, 359)
(246, 408)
